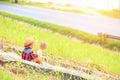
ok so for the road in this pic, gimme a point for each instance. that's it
(83, 22)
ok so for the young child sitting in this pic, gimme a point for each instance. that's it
(43, 46)
(28, 54)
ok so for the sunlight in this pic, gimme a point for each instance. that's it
(99, 4)
(59, 39)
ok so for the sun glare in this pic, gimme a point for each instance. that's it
(99, 4)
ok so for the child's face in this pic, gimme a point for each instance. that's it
(31, 46)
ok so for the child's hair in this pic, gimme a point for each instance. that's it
(43, 45)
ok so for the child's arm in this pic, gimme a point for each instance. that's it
(39, 52)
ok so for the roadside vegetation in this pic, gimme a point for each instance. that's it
(69, 32)
(60, 48)
(110, 13)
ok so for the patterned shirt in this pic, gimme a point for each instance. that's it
(28, 54)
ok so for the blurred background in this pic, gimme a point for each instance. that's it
(99, 4)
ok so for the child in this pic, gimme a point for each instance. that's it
(43, 46)
(28, 54)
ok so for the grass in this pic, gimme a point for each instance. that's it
(5, 76)
(89, 38)
(11, 1)
(21, 71)
(15, 32)
(111, 13)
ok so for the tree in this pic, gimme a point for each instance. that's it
(16, 1)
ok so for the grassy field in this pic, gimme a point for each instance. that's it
(69, 32)
(111, 13)
(5, 76)
(84, 53)
(19, 71)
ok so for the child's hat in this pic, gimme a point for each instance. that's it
(29, 41)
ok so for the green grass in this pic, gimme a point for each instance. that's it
(20, 71)
(111, 13)
(89, 38)
(5, 76)
(11, 1)
(15, 32)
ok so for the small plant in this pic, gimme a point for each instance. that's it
(5, 76)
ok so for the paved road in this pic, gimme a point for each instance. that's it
(87, 23)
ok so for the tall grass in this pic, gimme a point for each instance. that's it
(20, 71)
(16, 32)
(89, 38)
(111, 13)
(5, 76)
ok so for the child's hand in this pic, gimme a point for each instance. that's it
(43, 45)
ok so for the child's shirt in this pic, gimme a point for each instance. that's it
(28, 54)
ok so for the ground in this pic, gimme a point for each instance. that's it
(61, 48)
